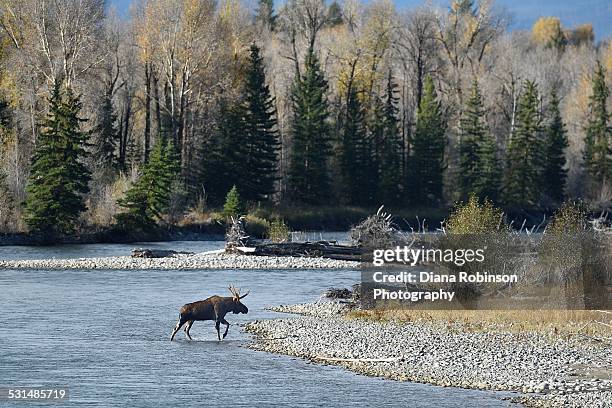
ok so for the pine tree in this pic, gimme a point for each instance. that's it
(260, 140)
(149, 198)
(106, 134)
(478, 168)
(522, 174)
(58, 179)
(308, 180)
(354, 151)
(265, 14)
(555, 174)
(427, 159)
(222, 167)
(233, 205)
(334, 14)
(598, 141)
(391, 156)
(6, 202)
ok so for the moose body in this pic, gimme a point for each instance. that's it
(214, 308)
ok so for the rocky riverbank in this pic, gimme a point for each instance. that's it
(550, 371)
(210, 260)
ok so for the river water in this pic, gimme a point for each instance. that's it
(105, 336)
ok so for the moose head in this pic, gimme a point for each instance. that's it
(237, 306)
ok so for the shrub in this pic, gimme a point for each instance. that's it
(473, 226)
(475, 218)
(279, 231)
(256, 226)
(573, 255)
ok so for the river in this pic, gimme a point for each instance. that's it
(105, 336)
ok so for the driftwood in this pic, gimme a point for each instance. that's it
(156, 253)
(360, 360)
(236, 235)
(323, 249)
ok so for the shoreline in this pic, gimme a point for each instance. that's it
(550, 371)
(205, 260)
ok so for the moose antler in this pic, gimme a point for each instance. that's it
(236, 292)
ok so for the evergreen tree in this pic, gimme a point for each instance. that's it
(106, 134)
(354, 152)
(260, 140)
(308, 180)
(149, 198)
(334, 14)
(522, 174)
(233, 205)
(6, 202)
(265, 14)
(391, 156)
(598, 141)
(222, 167)
(58, 178)
(555, 174)
(478, 168)
(427, 159)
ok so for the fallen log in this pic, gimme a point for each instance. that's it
(156, 253)
(322, 249)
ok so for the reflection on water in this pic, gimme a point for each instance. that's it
(105, 335)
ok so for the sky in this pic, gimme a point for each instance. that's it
(525, 12)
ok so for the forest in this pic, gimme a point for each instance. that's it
(161, 116)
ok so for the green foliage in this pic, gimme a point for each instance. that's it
(355, 153)
(598, 141)
(245, 151)
(149, 198)
(479, 172)
(58, 178)
(233, 205)
(264, 14)
(6, 203)
(308, 179)
(427, 156)
(391, 149)
(522, 185)
(256, 226)
(106, 134)
(279, 231)
(334, 14)
(260, 138)
(222, 167)
(474, 217)
(554, 173)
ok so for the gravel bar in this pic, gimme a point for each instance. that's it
(549, 371)
(196, 261)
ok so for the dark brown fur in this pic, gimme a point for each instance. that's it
(214, 308)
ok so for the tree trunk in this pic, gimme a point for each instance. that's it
(147, 129)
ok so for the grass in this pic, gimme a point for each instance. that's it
(558, 322)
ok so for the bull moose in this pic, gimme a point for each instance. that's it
(214, 308)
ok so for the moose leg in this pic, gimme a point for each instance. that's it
(187, 328)
(217, 322)
(180, 323)
(227, 325)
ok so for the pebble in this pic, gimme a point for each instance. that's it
(540, 366)
(196, 261)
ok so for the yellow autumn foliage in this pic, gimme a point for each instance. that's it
(547, 31)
